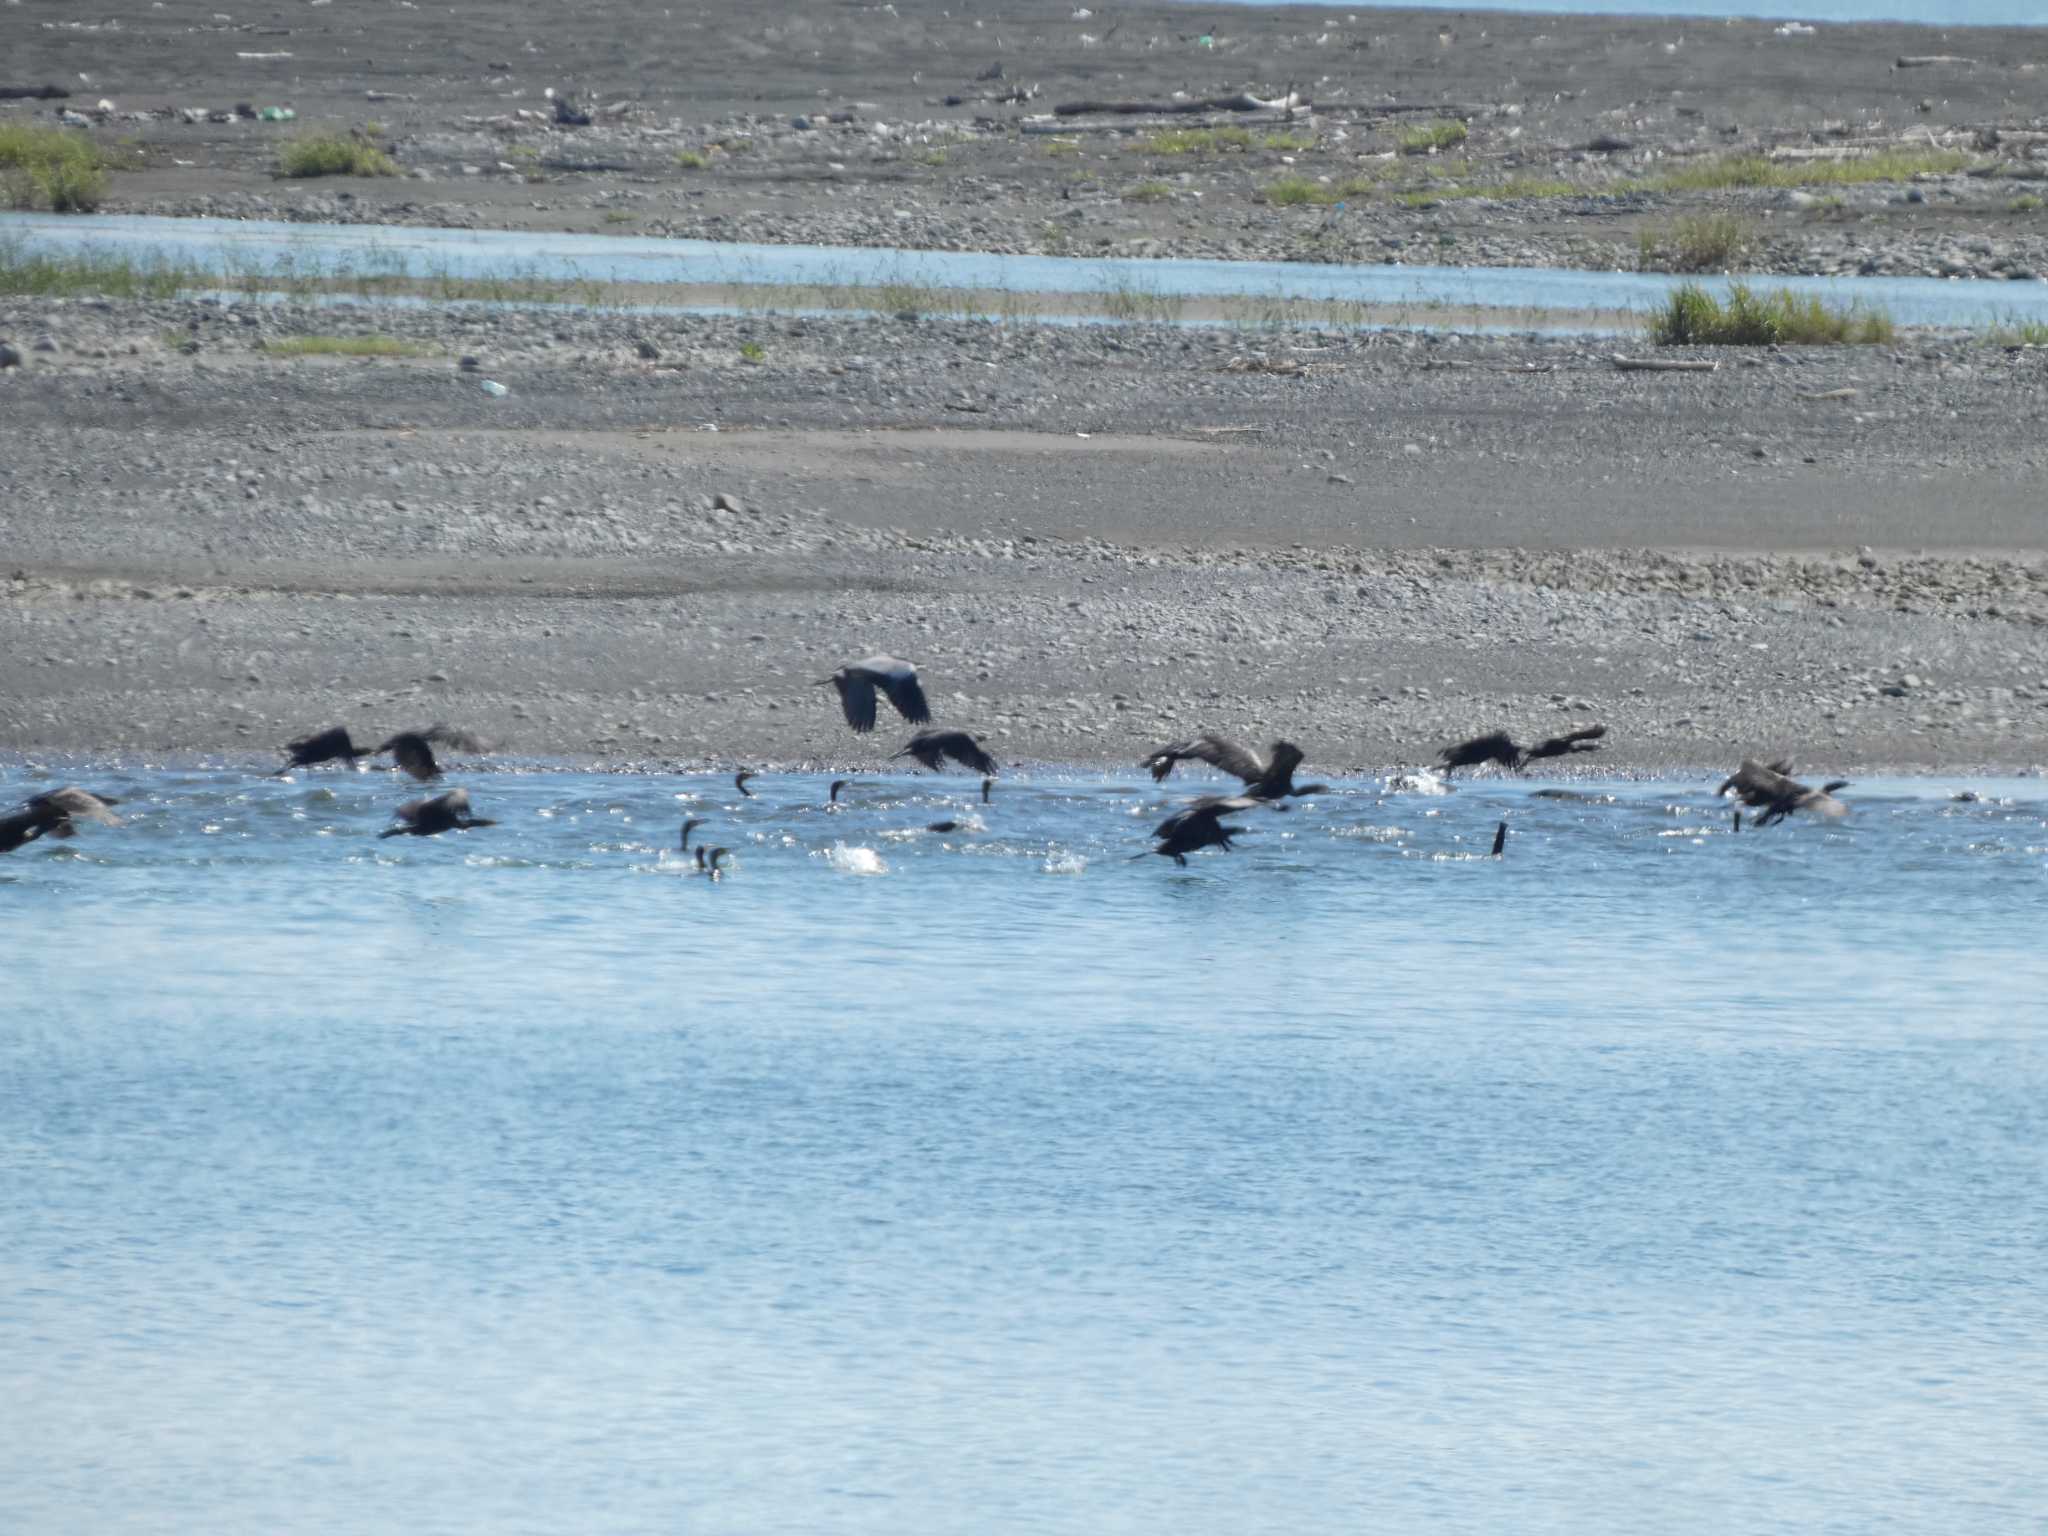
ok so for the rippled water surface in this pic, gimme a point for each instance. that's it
(1649, 1178)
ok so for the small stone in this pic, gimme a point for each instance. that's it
(9, 358)
(647, 349)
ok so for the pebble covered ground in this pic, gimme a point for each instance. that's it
(655, 542)
(929, 126)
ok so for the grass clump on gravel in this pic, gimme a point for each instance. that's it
(1729, 171)
(1195, 141)
(1304, 191)
(1427, 138)
(1694, 317)
(345, 346)
(1707, 242)
(50, 168)
(334, 154)
(2019, 333)
(1148, 192)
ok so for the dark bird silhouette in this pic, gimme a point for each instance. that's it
(897, 679)
(1499, 747)
(1270, 778)
(1200, 825)
(1500, 840)
(413, 751)
(443, 813)
(739, 782)
(932, 748)
(689, 826)
(328, 746)
(54, 813)
(1770, 790)
(708, 859)
(987, 788)
(942, 826)
(837, 785)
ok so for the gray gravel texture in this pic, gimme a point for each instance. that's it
(870, 125)
(1091, 541)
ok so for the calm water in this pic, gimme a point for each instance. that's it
(1651, 1178)
(256, 248)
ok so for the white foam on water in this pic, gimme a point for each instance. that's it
(855, 861)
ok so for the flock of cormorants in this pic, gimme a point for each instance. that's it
(1768, 789)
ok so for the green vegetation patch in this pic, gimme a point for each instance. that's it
(1709, 242)
(334, 154)
(50, 168)
(1427, 138)
(1148, 192)
(1693, 317)
(1196, 141)
(345, 346)
(1728, 171)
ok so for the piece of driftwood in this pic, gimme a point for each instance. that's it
(1225, 431)
(1928, 60)
(1830, 394)
(33, 93)
(1663, 364)
(1244, 101)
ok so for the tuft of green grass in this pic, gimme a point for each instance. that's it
(2018, 333)
(50, 167)
(334, 154)
(1428, 138)
(1731, 171)
(1059, 148)
(1707, 242)
(753, 352)
(618, 216)
(109, 274)
(931, 157)
(2026, 202)
(1304, 191)
(1148, 192)
(693, 159)
(1195, 141)
(1289, 143)
(1692, 316)
(345, 346)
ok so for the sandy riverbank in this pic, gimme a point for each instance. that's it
(1090, 541)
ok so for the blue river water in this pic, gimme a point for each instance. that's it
(1651, 1177)
(255, 248)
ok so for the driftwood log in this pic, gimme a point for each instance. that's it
(33, 93)
(1663, 364)
(1244, 101)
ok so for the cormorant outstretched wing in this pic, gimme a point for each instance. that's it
(1570, 742)
(1214, 751)
(1495, 747)
(932, 748)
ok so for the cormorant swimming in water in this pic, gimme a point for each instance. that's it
(689, 826)
(1500, 839)
(739, 782)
